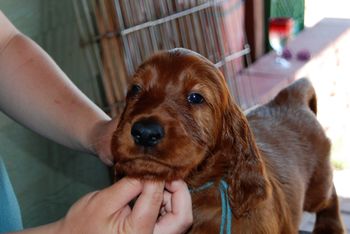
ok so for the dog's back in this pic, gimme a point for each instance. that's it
(295, 148)
(286, 129)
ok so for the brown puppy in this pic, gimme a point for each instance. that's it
(180, 122)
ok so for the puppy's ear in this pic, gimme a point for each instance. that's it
(248, 184)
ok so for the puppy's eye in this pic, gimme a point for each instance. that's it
(135, 89)
(195, 98)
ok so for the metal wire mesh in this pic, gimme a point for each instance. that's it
(123, 33)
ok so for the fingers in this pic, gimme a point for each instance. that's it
(119, 194)
(166, 204)
(146, 209)
(180, 218)
(110, 207)
(176, 211)
(181, 199)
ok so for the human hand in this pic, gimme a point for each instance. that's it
(176, 211)
(100, 140)
(107, 211)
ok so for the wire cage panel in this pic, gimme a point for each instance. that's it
(126, 32)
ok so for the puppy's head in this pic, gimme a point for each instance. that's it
(180, 123)
(173, 117)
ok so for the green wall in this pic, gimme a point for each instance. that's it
(48, 177)
(284, 8)
(289, 8)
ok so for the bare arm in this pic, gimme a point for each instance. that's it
(36, 93)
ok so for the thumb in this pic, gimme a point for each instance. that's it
(119, 194)
(146, 210)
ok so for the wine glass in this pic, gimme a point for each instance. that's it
(280, 31)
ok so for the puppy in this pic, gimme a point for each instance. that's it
(247, 174)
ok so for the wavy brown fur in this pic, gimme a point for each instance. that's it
(275, 159)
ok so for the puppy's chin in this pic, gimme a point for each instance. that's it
(148, 169)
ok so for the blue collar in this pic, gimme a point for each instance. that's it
(226, 213)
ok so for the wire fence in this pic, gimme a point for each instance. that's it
(120, 34)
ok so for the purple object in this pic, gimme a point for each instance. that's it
(303, 55)
(287, 54)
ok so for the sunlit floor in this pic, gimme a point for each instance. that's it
(315, 10)
(335, 115)
(341, 181)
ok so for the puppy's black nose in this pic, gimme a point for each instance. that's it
(147, 133)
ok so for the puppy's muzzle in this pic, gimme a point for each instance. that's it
(147, 132)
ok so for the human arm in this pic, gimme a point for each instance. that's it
(35, 92)
(107, 211)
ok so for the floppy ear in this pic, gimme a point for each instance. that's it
(248, 184)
